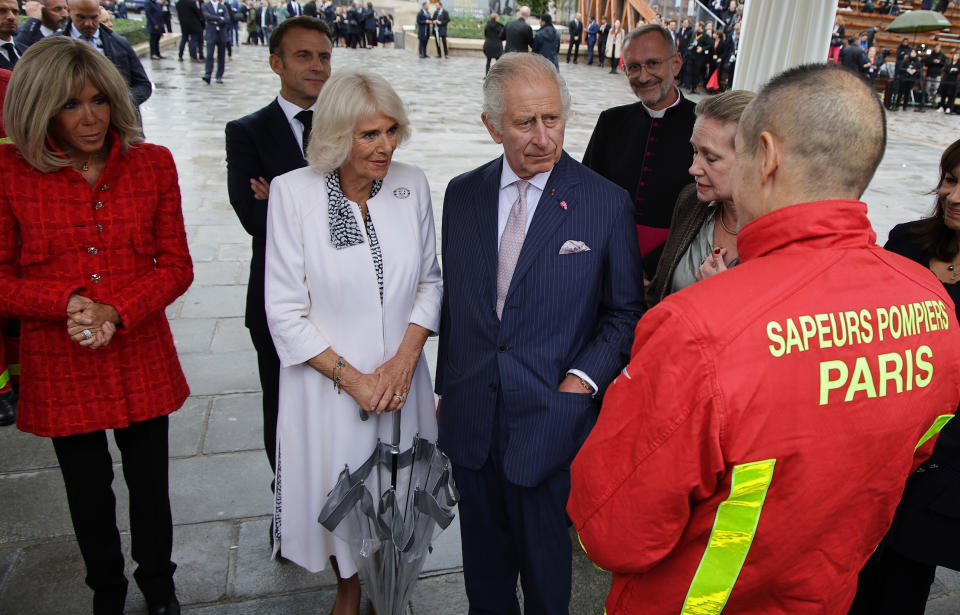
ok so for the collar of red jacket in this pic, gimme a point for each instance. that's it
(111, 154)
(807, 226)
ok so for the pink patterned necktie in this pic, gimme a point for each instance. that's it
(511, 243)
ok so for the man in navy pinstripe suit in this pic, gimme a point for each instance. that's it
(542, 291)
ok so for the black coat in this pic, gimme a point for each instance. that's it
(258, 145)
(519, 35)
(619, 150)
(493, 35)
(443, 17)
(310, 9)
(28, 33)
(576, 30)
(191, 20)
(927, 525)
(9, 64)
(853, 57)
(354, 21)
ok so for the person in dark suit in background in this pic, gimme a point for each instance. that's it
(268, 21)
(294, 9)
(492, 40)
(84, 24)
(592, 29)
(518, 33)
(216, 34)
(370, 25)
(310, 9)
(541, 295)
(576, 33)
(547, 41)
(44, 18)
(191, 27)
(440, 20)
(602, 33)
(10, 51)
(355, 25)
(261, 146)
(423, 29)
(154, 18)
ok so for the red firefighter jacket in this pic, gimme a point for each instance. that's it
(751, 455)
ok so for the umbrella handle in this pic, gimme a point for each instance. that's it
(395, 444)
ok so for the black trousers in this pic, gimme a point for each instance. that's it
(268, 364)
(575, 48)
(87, 475)
(444, 39)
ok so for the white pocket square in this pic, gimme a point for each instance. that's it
(571, 246)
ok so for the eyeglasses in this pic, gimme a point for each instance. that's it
(652, 65)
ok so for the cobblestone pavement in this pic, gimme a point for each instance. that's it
(219, 475)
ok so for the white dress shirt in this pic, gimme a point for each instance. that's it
(291, 110)
(508, 196)
(6, 50)
(97, 43)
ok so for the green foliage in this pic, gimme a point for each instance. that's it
(465, 27)
(131, 29)
(538, 6)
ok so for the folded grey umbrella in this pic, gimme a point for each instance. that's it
(389, 510)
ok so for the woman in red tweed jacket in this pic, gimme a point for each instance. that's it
(92, 249)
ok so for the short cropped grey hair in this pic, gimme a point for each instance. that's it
(647, 29)
(348, 97)
(515, 65)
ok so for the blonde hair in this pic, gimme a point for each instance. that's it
(49, 74)
(349, 96)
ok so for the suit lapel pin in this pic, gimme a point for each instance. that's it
(553, 192)
(401, 193)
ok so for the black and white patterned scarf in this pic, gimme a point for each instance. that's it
(344, 232)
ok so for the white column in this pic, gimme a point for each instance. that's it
(777, 35)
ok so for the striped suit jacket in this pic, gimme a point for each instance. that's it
(562, 311)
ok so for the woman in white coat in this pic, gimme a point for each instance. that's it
(352, 291)
(614, 45)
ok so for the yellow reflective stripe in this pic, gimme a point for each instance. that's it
(4, 378)
(730, 539)
(938, 424)
(580, 540)
(6, 140)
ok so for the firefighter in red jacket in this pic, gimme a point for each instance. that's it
(751, 455)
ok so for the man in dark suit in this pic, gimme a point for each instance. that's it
(294, 9)
(260, 146)
(191, 27)
(423, 29)
(645, 147)
(216, 34)
(154, 18)
(576, 32)
(592, 29)
(10, 51)
(440, 20)
(44, 18)
(268, 20)
(541, 295)
(519, 34)
(602, 32)
(84, 24)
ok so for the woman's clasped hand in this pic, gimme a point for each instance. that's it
(89, 323)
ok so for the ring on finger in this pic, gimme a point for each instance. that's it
(87, 335)
(400, 398)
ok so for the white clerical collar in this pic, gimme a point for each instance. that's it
(507, 177)
(658, 113)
